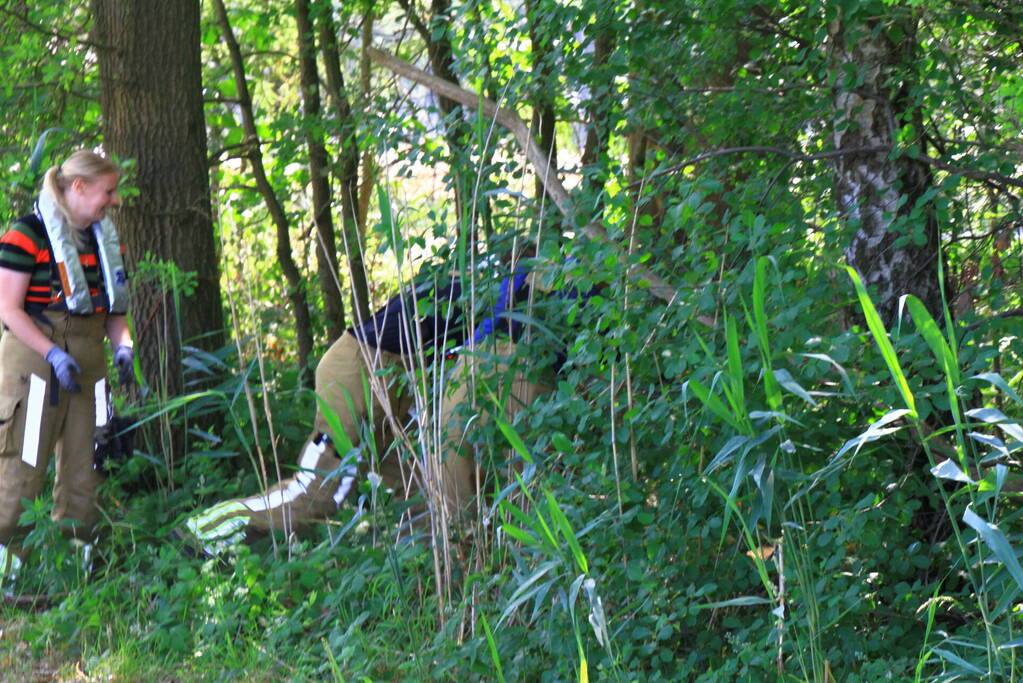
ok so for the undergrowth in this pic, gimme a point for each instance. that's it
(772, 504)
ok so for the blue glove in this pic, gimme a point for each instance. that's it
(124, 361)
(66, 368)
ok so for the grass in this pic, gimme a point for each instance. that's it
(773, 531)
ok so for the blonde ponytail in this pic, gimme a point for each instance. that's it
(84, 164)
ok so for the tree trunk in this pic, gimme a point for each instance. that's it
(895, 244)
(296, 287)
(598, 112)
(149, 60)
(326, 244)
(369, 165)
(348, 166)
(544, 117)
(441, 53)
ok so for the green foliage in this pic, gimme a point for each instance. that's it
(799, 491)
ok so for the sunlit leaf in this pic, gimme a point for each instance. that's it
(950, 470)
(997, 542)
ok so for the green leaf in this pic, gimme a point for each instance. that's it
(566, 531)
(996, 379)
(715, 405)
(744, 601)
(785, 380)
(734, 389)
(999, 419)
(958, 661)
(932, 335)
(999, 544)
(950, 470)
(520, 535)
(880, 335)
(494, 656)
(514, 439)
(561, 442)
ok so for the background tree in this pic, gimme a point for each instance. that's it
(886, 200)
(727, 478)
(151, 79)
(319, 173)
(295, 284)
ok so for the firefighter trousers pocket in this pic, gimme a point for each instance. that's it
(9, 406)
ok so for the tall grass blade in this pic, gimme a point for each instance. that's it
(998, 419)
(932, 335)
(784, 378)
(950, 470)
(531, 586)
(999, 544)
(771, 390)
(514, 439)
(734, 389)
(996, 379)
(494, 656)
(566, 531)
(959, 662)
(717, 406)
(884, 344)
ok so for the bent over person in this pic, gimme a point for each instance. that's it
(62, 290)
(513, 383)
(330, 462)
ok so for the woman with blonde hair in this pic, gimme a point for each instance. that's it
(63, 290)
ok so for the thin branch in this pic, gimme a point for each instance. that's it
(73, 35)
(796, 156)
(1011, 313)
(520, 131)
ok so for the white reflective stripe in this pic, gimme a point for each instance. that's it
(33, 420)
(300, 485)
(342, 491)
(350, 472)
(85, 549)
(9, 565)
(102, 411)
(228, 533)
(283, 496)
(196, 523)
(311, 455)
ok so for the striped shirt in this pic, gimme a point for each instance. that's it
(26, 249)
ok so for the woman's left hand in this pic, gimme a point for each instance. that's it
(124, 361)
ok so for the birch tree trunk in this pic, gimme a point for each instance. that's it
(895, 244)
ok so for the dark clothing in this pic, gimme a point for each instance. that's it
(507, 318)
(25, 248)
(438, 317)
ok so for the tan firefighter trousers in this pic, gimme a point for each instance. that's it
(38, 418)
(324, 477)
(462, 473)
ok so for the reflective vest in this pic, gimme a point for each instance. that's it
(64, 260)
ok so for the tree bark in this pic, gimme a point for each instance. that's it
(149, 62)
(442, 61)
(878, 194)
(544, 117)
(319, 178)
(296, 287)
(348, 166)
(369, 165)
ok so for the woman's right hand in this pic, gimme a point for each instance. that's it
(66, 368)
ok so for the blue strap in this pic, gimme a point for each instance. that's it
(508, 290)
